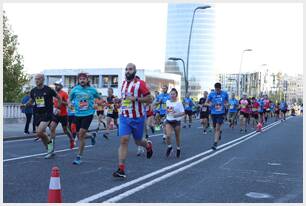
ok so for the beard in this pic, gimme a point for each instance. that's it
(129, 76)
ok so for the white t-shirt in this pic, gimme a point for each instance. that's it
(174, 108)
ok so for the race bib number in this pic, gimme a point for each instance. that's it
(231, 106)
(100, 107)
(204, 109)
(40, 102)
(243, 106)
(164, 106)
(110, 110)
(83, 105)
(218, 107)
(126, 104)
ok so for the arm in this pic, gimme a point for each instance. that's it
(27, 104)
(181, 113)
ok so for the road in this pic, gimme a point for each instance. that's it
(246, 168)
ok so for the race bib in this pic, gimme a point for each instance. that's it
(40, 102)
(243, 106)
(100, 108)
(126, 104)
(110, 110)
(231, 106)
(83, 105)
(218, 107)
(254, 109)
(268, 109)
(204, 109)
(164, 106)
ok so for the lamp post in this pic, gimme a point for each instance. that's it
(185, 77)
(189, 40)
(246, 50)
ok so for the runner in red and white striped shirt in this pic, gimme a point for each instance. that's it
(134, 95)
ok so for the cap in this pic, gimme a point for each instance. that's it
(59, 82)
(83, 74)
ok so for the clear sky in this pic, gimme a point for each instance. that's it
(93, 35)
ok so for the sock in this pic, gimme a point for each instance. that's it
(122, 167)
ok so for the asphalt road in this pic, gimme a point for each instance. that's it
(252, 167)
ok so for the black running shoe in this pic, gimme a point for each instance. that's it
(214, 147)
(178, 153)
(149, 149)
(189, 125)
(119, 173)
(169, 149)
(245, 130)
(105, 136)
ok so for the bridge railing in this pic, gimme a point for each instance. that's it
(12, 111)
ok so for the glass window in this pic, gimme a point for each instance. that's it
(105, 81)
(114, 81)
(52, 79)
(94, 81)
(70, 81)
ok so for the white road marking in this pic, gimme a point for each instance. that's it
(127, 184)
(156, 180)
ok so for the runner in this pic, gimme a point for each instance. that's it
(244, 104)
(276, 111)
(100, 105)
(134, 94)
(261, 110)
(255, 107)
(217, 99)
(161, 112)
(62, 114)
(283, 108)
(112, 112)
(266, 102)
(204, 112)
(42, 97)
(233, 111)
(83, 96)
(175, 112)
(188, 105)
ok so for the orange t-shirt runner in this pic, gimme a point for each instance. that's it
(63, 109)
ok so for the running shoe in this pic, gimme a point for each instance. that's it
(140, 150)
(169, 149)
(49, 155)
(119, 173)
(77, 160)
(93, 138)
(149, 149)
(164, 139)
(241, 130)
(204, 132)
(214, 147)
(245, 130)
(184, 126)
(26, 133)
(105, 136)
(189, 125)
(50, 152)
(147, 136)
(178, 153)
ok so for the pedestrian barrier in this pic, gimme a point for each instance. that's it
(54, 194)
(12, 110)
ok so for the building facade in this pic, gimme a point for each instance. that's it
(201, 47)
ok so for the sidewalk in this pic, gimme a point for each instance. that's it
(14, 129)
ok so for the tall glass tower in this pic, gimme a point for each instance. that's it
(201, 56)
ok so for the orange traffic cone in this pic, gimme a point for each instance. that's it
(259, 127)
(54, 195)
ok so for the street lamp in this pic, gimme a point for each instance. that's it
(185, 77)
(246, 50)
(188, 51)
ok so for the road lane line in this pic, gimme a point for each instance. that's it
(132, 182)
(40, 154)
(156, 180)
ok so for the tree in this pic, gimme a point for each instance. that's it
(13, 75)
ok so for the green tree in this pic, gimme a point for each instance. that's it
(13, 75)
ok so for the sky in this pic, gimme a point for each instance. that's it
(95, 35)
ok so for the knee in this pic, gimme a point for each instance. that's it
(124, 141)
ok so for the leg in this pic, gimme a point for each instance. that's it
(41, 133)
(28, 120)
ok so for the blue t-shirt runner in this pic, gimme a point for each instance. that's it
(218, 101)
(188, 104)
(233, 105)
(162, 98)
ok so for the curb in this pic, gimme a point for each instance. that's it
(34, 136)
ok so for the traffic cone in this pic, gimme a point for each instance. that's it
(54, 195)
(259, 127)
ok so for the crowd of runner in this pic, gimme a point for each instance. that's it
(137, 112)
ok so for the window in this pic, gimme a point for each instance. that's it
(70, 81)
(110, 81)
(94, 81)
(52, 79)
